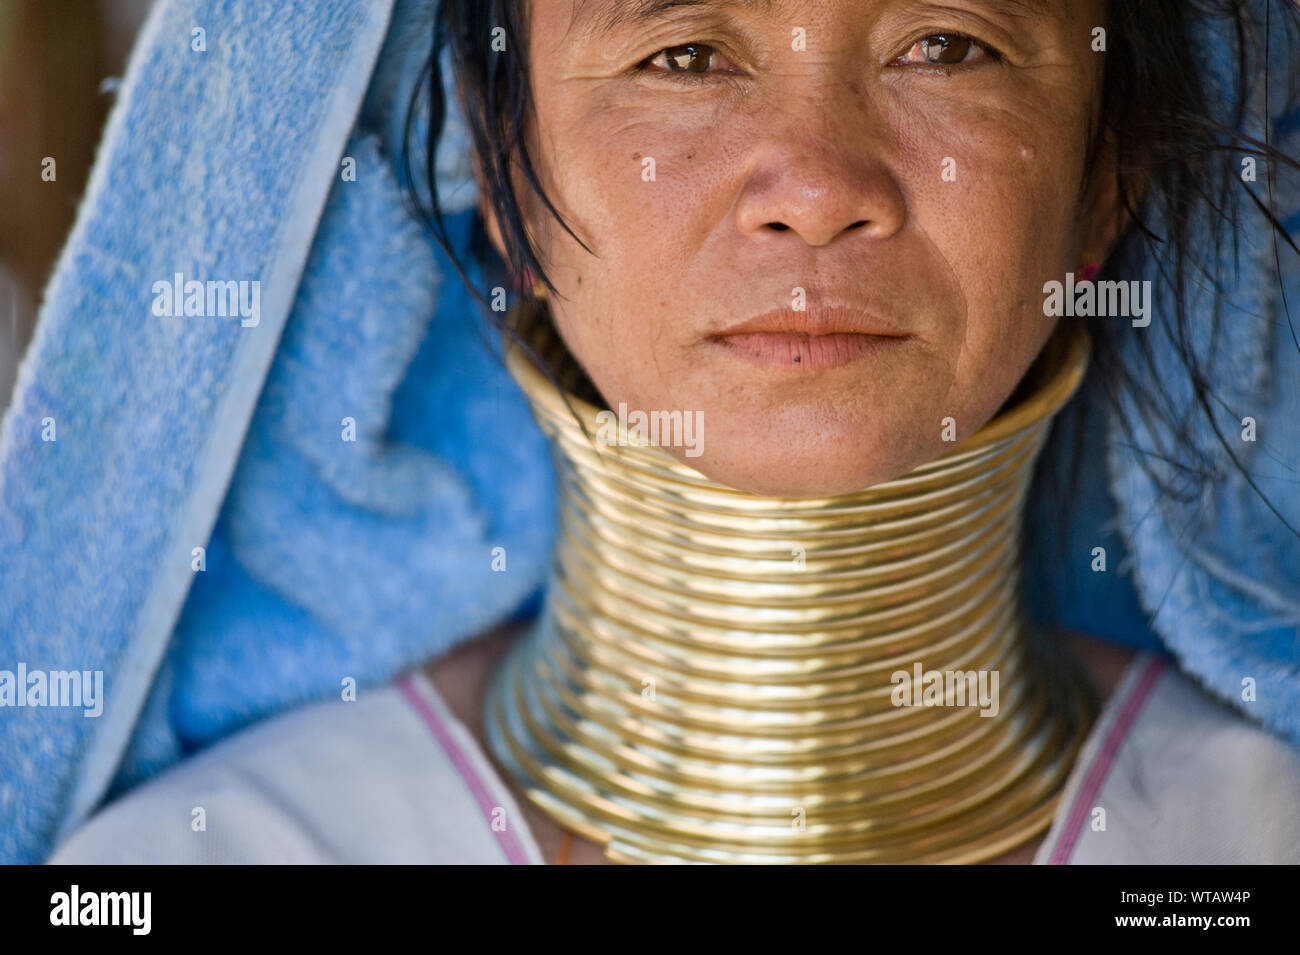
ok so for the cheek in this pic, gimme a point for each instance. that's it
(636, 191)
(603, 183)
(642, 177)
(998, 197)
(995, 194)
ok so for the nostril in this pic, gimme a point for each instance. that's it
(782, 227)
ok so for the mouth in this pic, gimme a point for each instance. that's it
(818, 338)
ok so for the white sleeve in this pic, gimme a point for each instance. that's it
(390, 778)
(1172, 776)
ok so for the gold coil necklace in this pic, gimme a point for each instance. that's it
(718, 676)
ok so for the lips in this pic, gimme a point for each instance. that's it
(817, 320)
(820, 337)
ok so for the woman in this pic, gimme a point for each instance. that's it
(835, 235)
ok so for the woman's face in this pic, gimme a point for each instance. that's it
(883, 222)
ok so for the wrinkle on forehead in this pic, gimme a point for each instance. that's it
(596, 17)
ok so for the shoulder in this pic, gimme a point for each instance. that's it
(1171, 775)
(390, 778)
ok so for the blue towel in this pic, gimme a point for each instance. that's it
(1213, 578)
(272, 155)
(328, 560)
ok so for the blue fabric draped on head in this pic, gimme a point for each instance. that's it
(228, 518)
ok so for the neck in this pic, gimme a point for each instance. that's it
(720, 676)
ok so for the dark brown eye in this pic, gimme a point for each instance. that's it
(946, 49)
(688, 58)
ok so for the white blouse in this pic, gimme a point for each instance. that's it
(1167, 775)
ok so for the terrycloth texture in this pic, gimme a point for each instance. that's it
(386, 541)
(1219, 574)
(334, 559)
(1216, 580)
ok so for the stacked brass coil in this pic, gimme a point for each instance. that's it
(710, 679)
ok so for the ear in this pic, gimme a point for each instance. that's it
(485, 210)
(1106, 218)
(492, 226)
(488, 213)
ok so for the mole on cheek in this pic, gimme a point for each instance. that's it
(1028, 152)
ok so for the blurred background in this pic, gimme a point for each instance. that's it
(59, 65)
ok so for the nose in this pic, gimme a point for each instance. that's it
(822, 179)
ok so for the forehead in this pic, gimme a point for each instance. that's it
(601, 16)
(596, 17)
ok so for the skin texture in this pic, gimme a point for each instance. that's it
(819, 169)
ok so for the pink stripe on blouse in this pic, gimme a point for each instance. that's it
(509, 844)
(1101, 765)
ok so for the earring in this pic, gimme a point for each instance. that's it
(527, 282)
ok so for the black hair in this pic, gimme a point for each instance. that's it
(1176, 157)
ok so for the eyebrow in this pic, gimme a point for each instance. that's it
(620, 13)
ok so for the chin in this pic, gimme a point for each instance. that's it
(829, 466)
